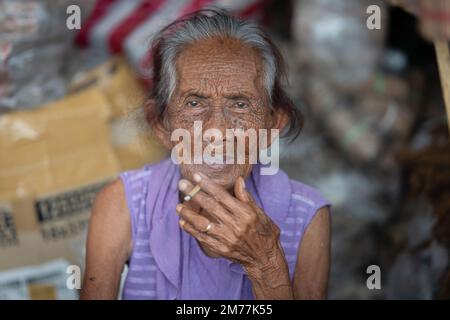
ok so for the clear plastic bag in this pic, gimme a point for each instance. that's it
(334, 41)
(34, 46)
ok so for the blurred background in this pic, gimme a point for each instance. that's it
(375, 140)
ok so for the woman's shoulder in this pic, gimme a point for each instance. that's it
(305, 204)
(110, 195)
(145, 170)
(136, 182)
(307, 195)
(136, 178)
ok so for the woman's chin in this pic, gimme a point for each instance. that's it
(222, 174)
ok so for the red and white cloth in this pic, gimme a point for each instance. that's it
(127, 26)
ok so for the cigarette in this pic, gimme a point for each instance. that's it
(192, 193)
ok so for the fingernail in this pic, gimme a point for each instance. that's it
(182, 222)
(178, 207)
(242, 183)
(182, 185)
(197, 177)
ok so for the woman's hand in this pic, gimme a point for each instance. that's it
(239, 231)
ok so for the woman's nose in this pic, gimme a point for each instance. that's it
(216, 120)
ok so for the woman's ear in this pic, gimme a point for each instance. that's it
(280, 119)
(156, 123)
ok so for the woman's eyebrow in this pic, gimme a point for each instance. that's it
(231, 96)
(195, 94)
(237, 96)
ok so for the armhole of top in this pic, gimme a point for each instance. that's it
(128, 200)
(323, 203)
(320, 202)
(312, 213)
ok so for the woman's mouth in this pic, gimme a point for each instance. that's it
(216, 166)
(218, 162)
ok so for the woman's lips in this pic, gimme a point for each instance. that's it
(216, 166)
(218, 161)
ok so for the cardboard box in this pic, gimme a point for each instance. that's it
(54, 159)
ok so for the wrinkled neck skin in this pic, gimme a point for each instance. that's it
(219, 82)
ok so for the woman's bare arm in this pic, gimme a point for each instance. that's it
(313, 262)
(311, 271)
(109, 243)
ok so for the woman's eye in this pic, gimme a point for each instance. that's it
(240, 105)
(193, 103)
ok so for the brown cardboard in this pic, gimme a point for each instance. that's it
(53, 161)
(117, 82)
(131, 139)
(56, 147)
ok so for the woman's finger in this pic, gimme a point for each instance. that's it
(206, 202)
(189, 228)
(242, 194)
(196, 220)
(205, 238)
(219, 193)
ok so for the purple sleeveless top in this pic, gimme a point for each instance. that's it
(168, 263)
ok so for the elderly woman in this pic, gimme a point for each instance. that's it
(196, 230)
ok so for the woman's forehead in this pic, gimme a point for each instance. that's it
(213, 64)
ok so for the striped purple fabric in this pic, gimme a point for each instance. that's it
(141, 281)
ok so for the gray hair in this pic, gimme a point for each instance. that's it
(211, 24)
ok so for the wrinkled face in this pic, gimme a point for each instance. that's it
(220, 83)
